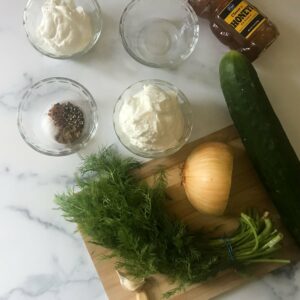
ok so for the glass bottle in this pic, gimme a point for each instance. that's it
(238, 24)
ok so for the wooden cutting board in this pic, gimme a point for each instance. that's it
(247, 191)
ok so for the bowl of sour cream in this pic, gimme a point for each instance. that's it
(62, 28)
(153, 118)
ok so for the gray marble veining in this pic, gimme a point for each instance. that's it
(41, 255)
(9, 100)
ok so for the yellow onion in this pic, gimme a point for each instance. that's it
(207, 175)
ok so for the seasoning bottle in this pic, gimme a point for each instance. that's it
(238, 24)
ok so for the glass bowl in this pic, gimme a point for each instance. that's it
(184, 107)
(34, 107)
(32, 18)
(159, 33)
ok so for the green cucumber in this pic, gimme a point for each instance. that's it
(265, 141)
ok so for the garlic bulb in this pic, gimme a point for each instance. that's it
(207, 177)
(130, 284)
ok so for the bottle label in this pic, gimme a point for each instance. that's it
(243, 17)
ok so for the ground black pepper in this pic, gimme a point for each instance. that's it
(69, 120)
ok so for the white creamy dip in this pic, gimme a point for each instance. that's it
(152, 119)
(64, 29)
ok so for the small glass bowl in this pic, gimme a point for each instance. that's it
(185, 109)
(34, 107)
(159, 33)
(33, 15)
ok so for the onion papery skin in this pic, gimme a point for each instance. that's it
(207, 177)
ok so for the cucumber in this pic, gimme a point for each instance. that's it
(264, 138)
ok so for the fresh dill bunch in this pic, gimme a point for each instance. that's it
(121, 213)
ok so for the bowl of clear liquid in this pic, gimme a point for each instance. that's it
(159, 33)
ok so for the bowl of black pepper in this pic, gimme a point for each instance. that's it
(57, 116)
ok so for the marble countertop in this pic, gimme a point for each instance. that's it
(40, 256)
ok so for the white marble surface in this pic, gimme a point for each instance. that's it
(40, 256)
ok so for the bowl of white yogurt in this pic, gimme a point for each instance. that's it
(153, 118)
(63, 28)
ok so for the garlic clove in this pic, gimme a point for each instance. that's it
(141, 296)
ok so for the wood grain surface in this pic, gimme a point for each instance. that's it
(246, 192)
